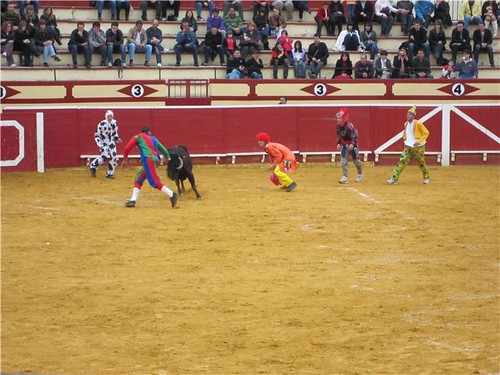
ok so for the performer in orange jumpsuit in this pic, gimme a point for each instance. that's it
(282, 159)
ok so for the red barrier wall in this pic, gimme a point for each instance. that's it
(215, 130)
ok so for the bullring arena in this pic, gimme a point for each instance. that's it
(357, 278)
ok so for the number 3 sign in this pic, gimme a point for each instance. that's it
(137, 91)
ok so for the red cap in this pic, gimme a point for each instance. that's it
(263, 137)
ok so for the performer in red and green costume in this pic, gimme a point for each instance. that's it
(149, 149)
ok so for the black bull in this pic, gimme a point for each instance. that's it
(180, 167)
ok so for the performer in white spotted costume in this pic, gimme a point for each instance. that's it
(106, 137)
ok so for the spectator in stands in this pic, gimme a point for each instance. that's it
(175, 5)
(489, 11)
(277, 23)
(287, 42)
(322, 19)
(44, 42)
(7, 43)
(250, 40)
(449, 71)
(186, 41)
(470, 11)
(383, 66)
(343, 66)
(467, 67)
(204, 4)
(11, 15)
(298, 59)
(279, 57)
(363, 68)
(79, 43)
(383, 14)
(417, 39)
(421, 66)
(262, 24)
(460, 40)
(349, 40)
(317, 56)
(236, 66)
(51, 22)
(405, 15)
(30, 17)
(401, 64)
(369, 39)
(483, 42)
(115, 43)
(350, 4)
(442, 13)
(215, 20)
(189, 18)
(214, 46)
(336, 16)
(437, 42)
(423, 12)
(155, 37)
(125, 4)
(97, 42)
(363, 12)
(137, 41)
(301, 6)
(233, 22)
(283, 100)
(23, 42)
(100, 7)
(236, 5)
(229, 43)
(258, 5)
(254, 65)
(145, 4)
(25, 3)
(286, 5)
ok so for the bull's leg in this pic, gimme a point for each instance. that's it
(193, 186)
(177, 182)
(183, 187)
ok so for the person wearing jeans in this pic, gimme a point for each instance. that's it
(137, 42)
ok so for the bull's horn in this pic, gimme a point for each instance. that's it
(182, 163)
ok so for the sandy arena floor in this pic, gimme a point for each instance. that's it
(363, 278)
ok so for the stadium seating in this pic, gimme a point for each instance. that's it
(68, 12)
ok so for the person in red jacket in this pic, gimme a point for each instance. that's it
(282, 161)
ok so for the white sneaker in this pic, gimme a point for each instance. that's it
(391, 182)
(4, 54)
(158, 65)
(343, 180)
(359, 177)
(426, 181)
(110, 65)
(13, 65)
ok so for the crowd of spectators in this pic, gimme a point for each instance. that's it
(240, 42)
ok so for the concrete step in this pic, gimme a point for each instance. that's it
(169, 59)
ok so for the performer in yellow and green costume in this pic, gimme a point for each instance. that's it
(415, 137)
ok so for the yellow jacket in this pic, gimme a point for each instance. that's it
(465, 9)
(420, 132)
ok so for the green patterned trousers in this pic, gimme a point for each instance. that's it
(409, 154)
